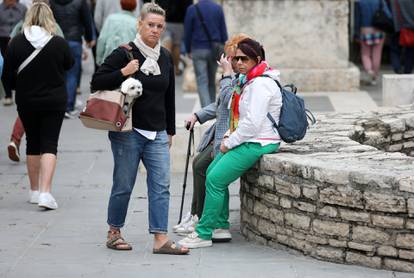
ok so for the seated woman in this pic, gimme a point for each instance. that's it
(251, 136)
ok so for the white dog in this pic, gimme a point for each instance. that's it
(132, 89)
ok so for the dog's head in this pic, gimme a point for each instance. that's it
(132, 87)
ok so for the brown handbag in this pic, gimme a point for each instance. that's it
(108, 110)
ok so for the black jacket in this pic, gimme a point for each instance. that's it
(155, 109)
(175, 9)
(74, 17)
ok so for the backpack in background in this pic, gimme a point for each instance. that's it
(293, 120)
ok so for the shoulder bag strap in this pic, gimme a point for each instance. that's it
(31, 57)
(200, 16)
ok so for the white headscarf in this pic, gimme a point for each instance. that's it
(37, 36)
(150, 65)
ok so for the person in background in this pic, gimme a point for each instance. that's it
(119, 28)
(199, 47)
(371, 39)
(40, 95)
(251, 135)
(153, 121)
(11, 12)
(1, 64)
(209, 146)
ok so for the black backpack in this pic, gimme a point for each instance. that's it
(293, 120)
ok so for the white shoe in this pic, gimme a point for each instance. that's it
(47, 201)
(188, 227)
(193, 241)
(184, 220)
(221, 235)
(34, 197)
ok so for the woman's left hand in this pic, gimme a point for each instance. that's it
(223, 148)
(169, 141)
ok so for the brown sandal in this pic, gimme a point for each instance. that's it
(170, 248)
(117, 242)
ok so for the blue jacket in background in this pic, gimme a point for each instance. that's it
(1, 64)
(194, 34)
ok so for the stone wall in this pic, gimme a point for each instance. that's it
(335, 199)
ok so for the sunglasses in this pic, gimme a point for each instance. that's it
(243, 59)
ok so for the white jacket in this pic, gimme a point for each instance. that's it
(260, 96)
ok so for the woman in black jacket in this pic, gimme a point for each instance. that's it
(40, 95)
(153, 120)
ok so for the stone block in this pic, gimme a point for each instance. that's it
(388, 221)
(384, 202)
(316, 239)
(408, 134)
(343, 196)
(299, 244)
(303, 206)
(396, 137)
(271, 198)
(410, 224)
(330, 228)
(267, 228)
(357, 258)
(328, 211)
(337, 243)
(395, 124)
(405, 241)
(297, 220)
(362, 247)
(266, 182)
(299, 235)
(405, 254)
(398, 265)
(388, 251)
(409, 120)
(276, 216)
(397, 89)
(282, 238)
(407, 185)
(310, 192)
(395, 147)
(287, 188)
(331, 176)
(355, 216)
(366, 234)
(330, 253)
(285, 203)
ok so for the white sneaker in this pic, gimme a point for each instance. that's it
(188, 227)
(34, 197)
(221, 235)
(184, 220)
(193, 241)
(47, 201)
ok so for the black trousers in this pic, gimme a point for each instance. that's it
(42, 130)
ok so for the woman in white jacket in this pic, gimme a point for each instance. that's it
(251, 135)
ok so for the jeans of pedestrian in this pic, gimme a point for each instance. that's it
(395, 55)
(128, 149)
(72, 75)
(224, 170)
(205, 67)
(200, 166)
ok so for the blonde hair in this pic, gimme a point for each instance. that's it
(151, 8)
(40, 14)
(231, 44)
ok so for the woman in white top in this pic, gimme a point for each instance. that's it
(251, 135)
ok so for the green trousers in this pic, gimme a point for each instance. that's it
(225, 169)
(200, 164)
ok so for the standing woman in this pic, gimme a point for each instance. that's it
(40, 95)
(153, 120)
(252, 136)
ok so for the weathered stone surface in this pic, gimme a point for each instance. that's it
(304, 206)
(362, 247)
(271, 198)
(330, 253)
(266, 228)
(330, 228)
(356, 258)
(297, 221)
(395, 124)
(287, 188)
(405, 241)
(265, 181)
(388, 221)
(410, 224)
(408, 134)
(328, 211)
(399, 265)
(316, 239)
(276, 215)
(395, 147)
(337, 243)
(356, 216)
(285, 203)
(405, 254)
(397, 137)
(388, 251)
(261, 210)
(407, 184)
(343, 196)
(397, 89)
(366, 234)
(310, 192)
(384, 202)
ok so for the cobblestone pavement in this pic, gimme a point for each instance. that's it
(69, 242)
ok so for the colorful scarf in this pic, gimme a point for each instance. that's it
(258, 70)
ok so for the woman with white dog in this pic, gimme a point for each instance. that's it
(153, 120)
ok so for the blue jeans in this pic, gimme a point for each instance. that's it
(395, 55)
(72, 75)
(205, 67)
(128, 148)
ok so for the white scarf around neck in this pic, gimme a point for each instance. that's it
(37, 36)
(150, 65)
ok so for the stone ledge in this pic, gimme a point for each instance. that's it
(334, 198)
